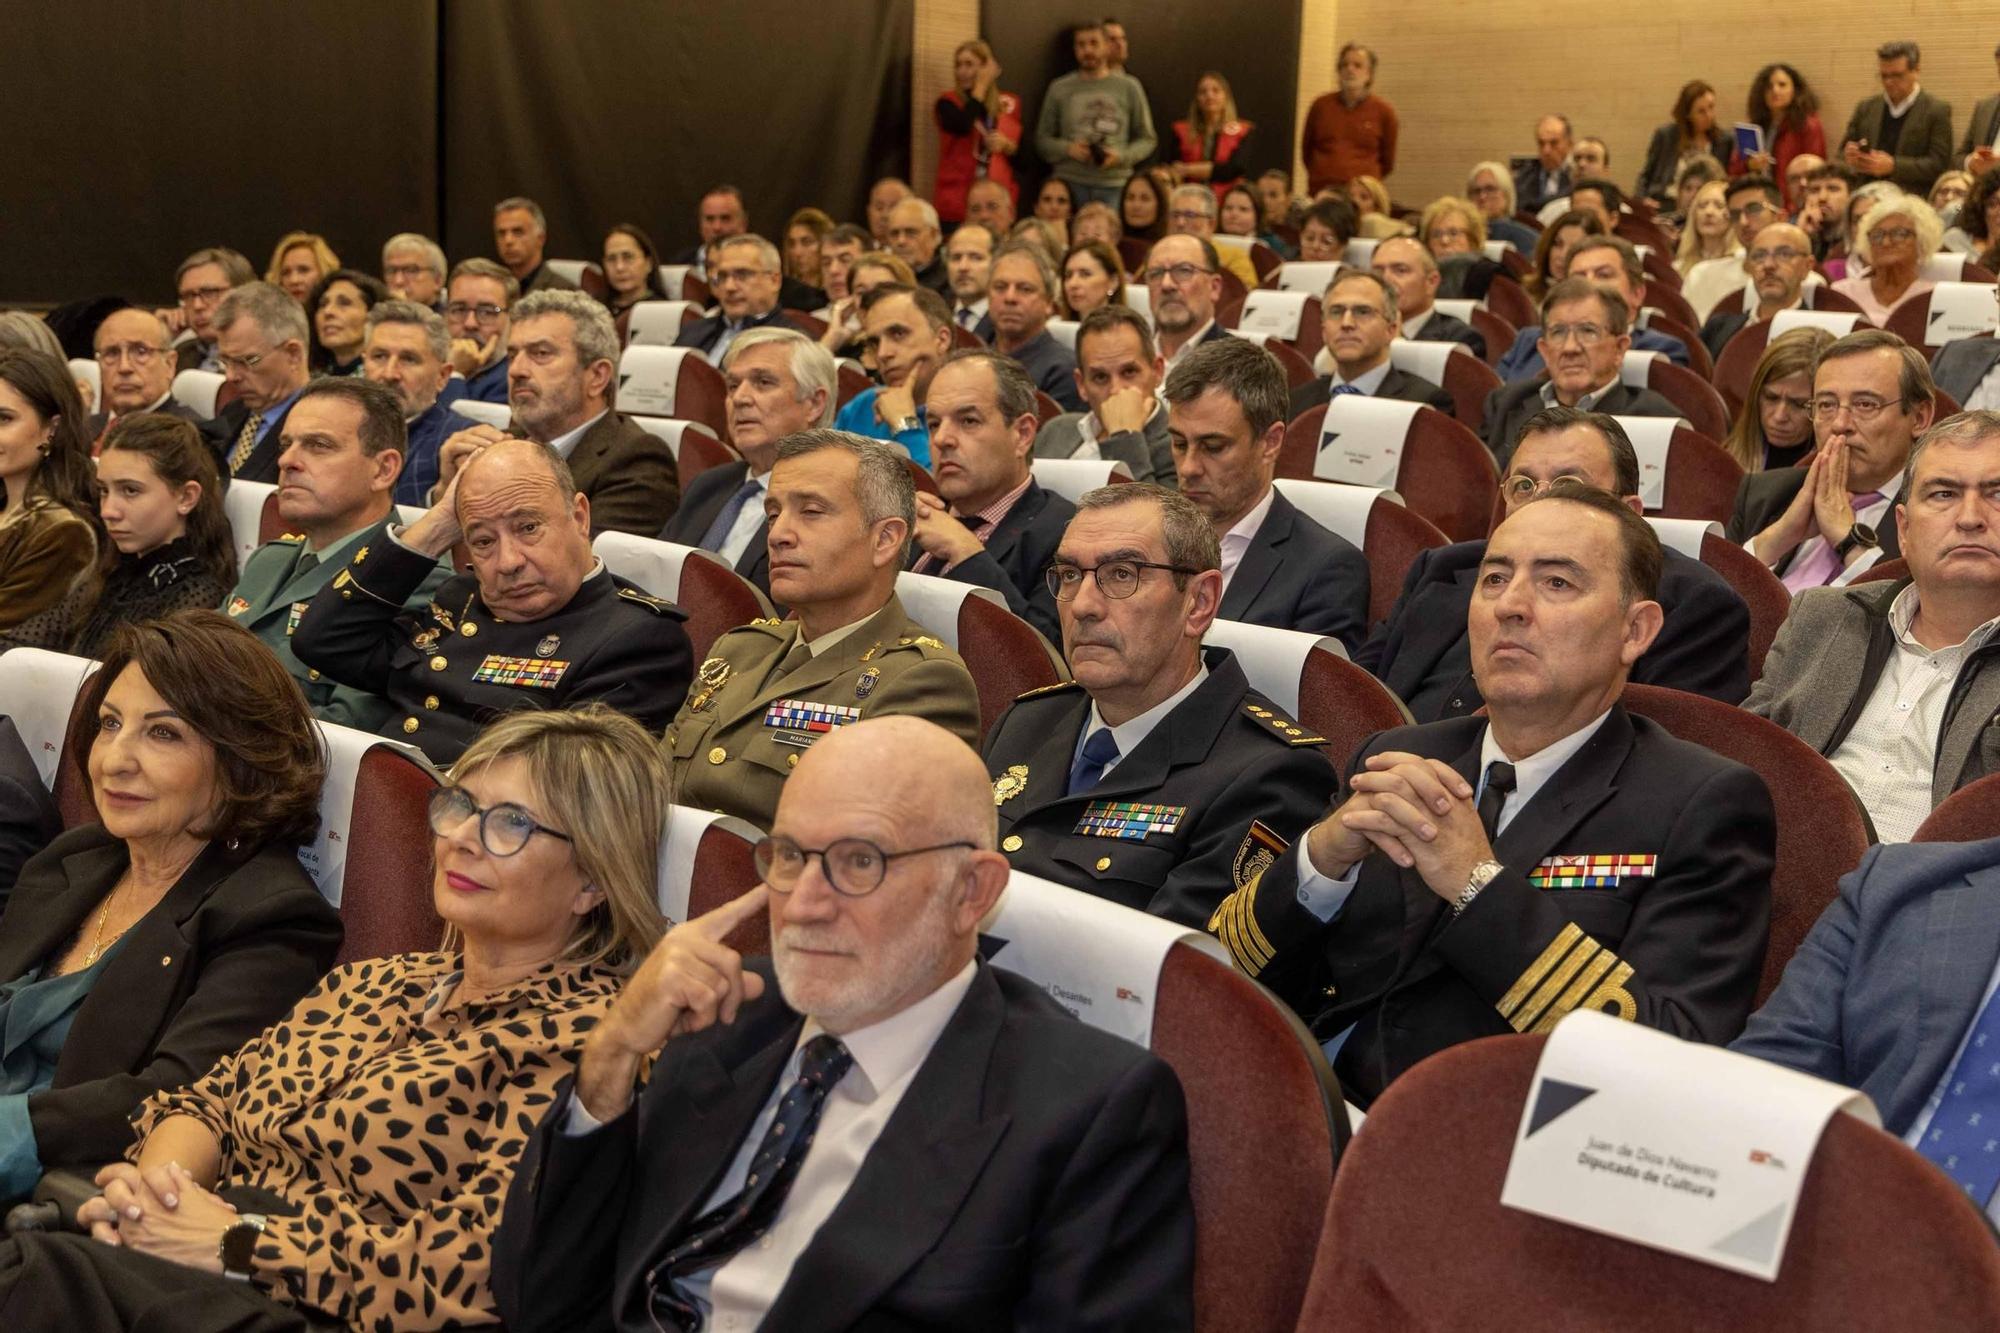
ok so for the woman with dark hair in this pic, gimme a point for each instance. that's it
(1213, 142)
(1691, 133)
(1091, 277)
(1055, 205)
(801, 247)
(1142, 209)
(49, 529)
(631, 269)
(1552, 250)
(1242, 214)
(169, 544)
(1979, 219)
(1787, 111)
(337, 315)
(138, 950)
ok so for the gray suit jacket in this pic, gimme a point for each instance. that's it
(1961, 364)
(1923, 151)
(1881, 992)
(1148, 453)
(1979, 130)
(1827, 658)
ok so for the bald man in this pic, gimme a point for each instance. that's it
(135, 365)
(1775, 269)
(539, 623)
(760, 1174)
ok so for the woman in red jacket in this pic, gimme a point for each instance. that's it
(979, 127)
(1788, 112)
(1212, 139)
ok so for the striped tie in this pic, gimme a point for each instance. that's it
(246, 443)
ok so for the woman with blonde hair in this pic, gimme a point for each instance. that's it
(1212, 143)
(1709, 258)
(1370, 198)
(1774, 427)
(298, 261)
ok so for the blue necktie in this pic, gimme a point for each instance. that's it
(719, 530)
(1098, 752)
(1963, 1139)
(1340, 389)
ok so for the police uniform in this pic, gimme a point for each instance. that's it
(1218, 787)
(449, 668)
(748, 718)
(271, 595)
(1636, 881)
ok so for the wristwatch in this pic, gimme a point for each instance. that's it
(1482, 875)
(1859, 537)
(905, 425)
(239, 1246)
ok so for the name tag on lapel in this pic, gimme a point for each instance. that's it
(1128, 819)
(807, 716)
(533, 672)
(1591, 872)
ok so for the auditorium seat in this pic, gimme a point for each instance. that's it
(1818, 294)
(706, 861)
(1701, 476)
(658, 323)
(715, 597)
(1896, 567)
(1133, 252)
(1642, 231)
(198, 391)
(373, 860)
(1740, 355)
(1822, 831)
(87, 370)
(672, 382)
(1047, 409)
(673, 280)
(1694, 396)
(1970, 814)
(1298, 370)
(920, 477)
(1498, 333)
(39, 691)
(694, 446)
(1062, 330)
(1360, 252)
(695, 288)
(1310, 276)
(1769, 600)
(1005, 654)
(1509, 300)
(962, 338)
(245, 504)
(587, 275)
(1665, 321)
(1416, 1236)
(1309, 677)
(1233, 290)
(1660, 271)
(1141, 300)
(1389, 533)
(497, 415)
(852, 379)
(1290, 317)
(1953, 309)
(1453, 368)
(1446, 474)
(1072, 477)
(1949, 266)
(806, 322)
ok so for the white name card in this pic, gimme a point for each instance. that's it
(1839, 323)
(1961, 310)
(648, 377)
(1684, 535)
(1686, 1148)
(1273, 314)
(1308, 276)
(1361, 440)
(1652, 438)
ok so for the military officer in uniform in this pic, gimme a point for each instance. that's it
(1158, 777)
(540, 623)
(340, 451)
(1490, 875)
(840, 511)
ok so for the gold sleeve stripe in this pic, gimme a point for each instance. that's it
(1219, 926)
(1528, 980)
(1228, 925)
(1614, 998)
(1541, 1020)
(1248, 897)
(1585, 953)
(1575, 971)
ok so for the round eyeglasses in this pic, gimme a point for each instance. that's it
(504, 829)
(1117, 579)
(855, 867)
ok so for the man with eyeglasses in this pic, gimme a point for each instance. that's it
(1582, 340)
(1157, 777)
(840, 510)
(1901, 134)
(1613, 263)
(1192, 211)
(1422, 653)
(477, 302)
(1777, 265)
(538, 623)
(135, 369)
(1829, 521)
(260, 340)
(1182, 287)
(1359, 319)
(873, 1127)
(203, 279)
(744, 273)
(1969, 370)
(1754, 204)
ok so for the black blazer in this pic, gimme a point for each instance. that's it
(1034, 1177)
(1297, 575)
(1421, 652)
(628, 474)
(1663, 154)
(703, 333)
(1720, 328)
(1509, 407)
(1018, 550)
(1442, 328)
(29, 819)
(1679, 948)
(221, 432)
(1398, 384)
(173, 407)
(225, 954)
(706, 495)
(1765, 495)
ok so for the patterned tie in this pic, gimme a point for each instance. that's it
(246, 442)
(1963, 1139)
(1823, 565)
(725, 520)
(1098, 752)
(711, 1239)
(1499, 786)
(1340, 389)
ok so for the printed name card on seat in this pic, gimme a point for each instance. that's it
(658, 323)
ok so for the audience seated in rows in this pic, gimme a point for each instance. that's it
(414, 269)
(1359, 318)
(1183, 286)
(520, 237)
(1023, 293)
(408, 352)
(1583, 337)
(135, 366)
(968, 258)
(50, 531)
(744, 272)
(908, 332)
(1412, 271)
(1611, 263)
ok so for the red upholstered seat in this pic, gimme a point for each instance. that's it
(1821, 830)
(385, 895)
(920, 476)
(1446, 475)
(1507, 299)
(1397, 535)
(1660, 315)
(1969, 814)
(1769, 600)
(1047, 409)
(1883, 570)
(1702, 478)
(853, 382)
(724, 870)
(1005, 654)
(1298, 369)
(1694, 396)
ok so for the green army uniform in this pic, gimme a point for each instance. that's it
(272, 591)
(748, 717)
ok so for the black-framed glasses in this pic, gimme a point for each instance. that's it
(504, 829)
(1115, 578)
(855, 867)
(1181, 273)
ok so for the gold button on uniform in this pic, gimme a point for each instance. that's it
(409, 725)
(468, 629)
(1012, 843)
(717, 755)
(430, 701)
(1104, 863)
(791, 761)
(312, 675)
(438, 664)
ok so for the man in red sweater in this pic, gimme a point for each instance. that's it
(1351, 132)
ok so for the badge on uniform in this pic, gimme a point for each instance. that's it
(1591, 872)
(498, 670)
(424, 641)
(866, 685)
(712, 673)
(1128, 819)
(804, 715)
(442, 616)
(237, 606)
(292, 620)
(1010, 784)
(1260, 851)
(547, 647)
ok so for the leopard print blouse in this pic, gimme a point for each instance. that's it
(393, 1117)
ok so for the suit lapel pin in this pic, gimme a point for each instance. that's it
(547, 647)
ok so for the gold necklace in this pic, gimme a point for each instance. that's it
(97, 948)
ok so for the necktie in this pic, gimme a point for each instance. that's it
(968, 318)
(1821, 567)
(308, 562)
(800, 654)
(1340, 389)
(712, 1238)
(1098, 752)
(1499, 786)
(725, 520)
(1963, 1139)
(246, 442)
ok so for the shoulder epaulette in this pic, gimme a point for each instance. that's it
(769, 626)
(1284, 728)
(1044, 690)
(289, 538)
(658, 605)
(929, 641)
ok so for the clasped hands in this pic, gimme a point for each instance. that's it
(1418, 812)
(159, 1210)
(1822, 508)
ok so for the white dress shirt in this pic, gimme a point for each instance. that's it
(1194, 341)
(1090, 430)
(1128, 734)
(1897, 109)
(565, 444)
(1890, 756)
(1985, 397)
(967, 317)
(1874, 515)
(1236, 541)
(748, 519)
(1414, 324)
(1369, 382)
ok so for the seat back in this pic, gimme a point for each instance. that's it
(694, 446)
(1071, 477)
(197, 391)
(1286, 316)
(86, 370)
(1696, 477)
(1140, 298)
(1298, 370)
(243, 504)
(1509, 300)
(39, 691)
(1453, 368)
(372, 857)
(1896, 567)
(1309, 677)
(1425, 1180)
(673, 280)
(1945, 313)
(1661, 318)
(1005, 654)
(1499, 334)
(658, 323)
(1839, 323)
(1970, 814)
(1360, 252)
(671, 382)
(706, 861)
(1310, 276)
(1769, 600)
(852, 379)
(1389, 534)
(1047, 409)
(1446, 472)
(587, 275)
(715, 597)
(1064, 331)
(1694, 396)
(497, 415)
(1821, 829)
(1737, 365)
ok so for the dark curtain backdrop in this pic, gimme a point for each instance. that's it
(1252, 43)
(143, 129)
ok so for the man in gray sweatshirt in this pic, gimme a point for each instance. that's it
(1095, 126)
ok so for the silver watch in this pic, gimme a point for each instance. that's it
(1482, 875)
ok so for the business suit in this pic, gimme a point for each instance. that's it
(1663, 158)
(1443, 328)
(1720, 327)
(1148, 453)
(1676, 943)
(233, 944)
(222, 430)
(1531, 191)
(702, 334)
(1034, 1177)
(1019, 549)
(170, 406)
(1399, 385)
(1979, 131)
(488, 384)
(1524, 359)
(29, 819)
(1880, 994)
(1224, 761)
(1963, 363)
(1923, 149)
(628, 475)
(1509, 407)
(1422, 654)
(1765, 495)
(704, 501)
(1297, 575)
